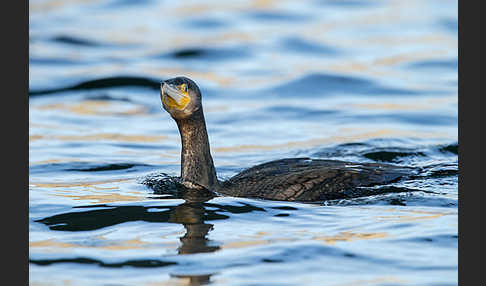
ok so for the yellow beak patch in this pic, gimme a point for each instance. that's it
(182, 103)
(171, 103)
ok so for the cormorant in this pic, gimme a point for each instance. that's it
(296, 179)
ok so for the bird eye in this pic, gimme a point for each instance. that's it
(184, 87)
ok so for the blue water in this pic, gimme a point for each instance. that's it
(357, 80)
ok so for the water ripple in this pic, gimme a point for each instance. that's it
(329, 84)
(353, 80)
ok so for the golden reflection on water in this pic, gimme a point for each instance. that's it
(96, 107)
(100, 137)
(53, 245)
(424, 215)
(33, 138)
(374, 67)
(445, 42)
(244, 244)
(381, 133)
(419, 104)
(266, 4)
(316, 29)
(42, 125)
(53, 161)
(76, 184)
(45, 6)
(381, 280)
(409, 57)
(221, 79)
(96, 193)
(189, 9)
(349, 236)
(104, 199)
(113, 137)
(345, 236)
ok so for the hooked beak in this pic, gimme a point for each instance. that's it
(172, 92)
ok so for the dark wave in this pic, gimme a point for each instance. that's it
(106, 167)
(142, 263)
(70, 40)
(417, 156)
(443, 173)
(296, 44)
(451, 64)
(86, 167)
(390, 156)
(206, 23)
(117, 4)
(104, 215)
(440, 170)
(79, 42)
(109, 82)
(449, 24)
(419, 118)
(296, 112)
(286, 208)
(277, 16)
(452, 148)
(52, 61)
(439, 239)
(320, 84)
(213, 54)
(344, 150)
(107, 97)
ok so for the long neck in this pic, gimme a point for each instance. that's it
(196, 162)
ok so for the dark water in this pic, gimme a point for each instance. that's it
(358, 80)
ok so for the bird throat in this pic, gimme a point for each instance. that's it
(171, 103)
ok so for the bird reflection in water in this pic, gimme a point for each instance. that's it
(191, 215)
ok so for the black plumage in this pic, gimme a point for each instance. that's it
(295, 179)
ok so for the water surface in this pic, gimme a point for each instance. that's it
(365, 81)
